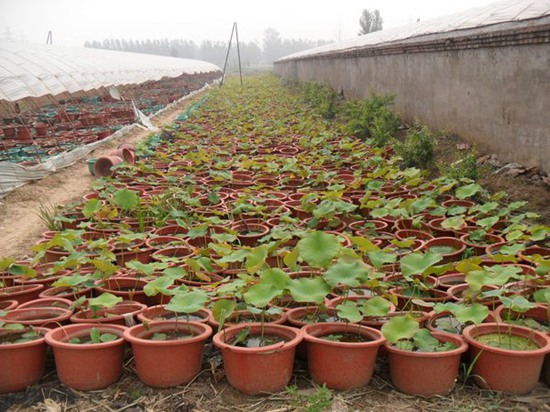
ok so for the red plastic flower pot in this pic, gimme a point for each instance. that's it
(8, 304)
(457, 244)
(437, 322)
(449, 280)
(260, 369)
(66, 292)
(239, 317)
(21, 293)
(407, 299)
(24, 133)
(479, 248)
(47, 303)
(40, 279)
(457, 293)
(538, 313)
(296, 315)
(21, 364)
(103, 165)
(87, 366)
(41, 129)
(126, 288)
(166, 363)
(426, 373)
(498, 369)
(123, 313)
(180, 252)
(159, 312)
(341, 365)
(250, 233)
(45, 317)
(333, 303)
(403, 234)
(377, 322)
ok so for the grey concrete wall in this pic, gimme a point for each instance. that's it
(497, 98)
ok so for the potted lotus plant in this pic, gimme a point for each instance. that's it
(169, 352)
(22, 356)
(422, 362)
(259, 357)
(108, 308)
(87, 356)
(508, 357)
(342, 354)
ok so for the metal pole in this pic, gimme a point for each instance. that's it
(238, 52)
(227, 54)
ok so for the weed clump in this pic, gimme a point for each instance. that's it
(465, 168)
(323, 98)
(372, 119)
(418, 149)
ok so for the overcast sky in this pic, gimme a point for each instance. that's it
(75, 21)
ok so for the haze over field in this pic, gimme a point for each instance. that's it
(74, 22)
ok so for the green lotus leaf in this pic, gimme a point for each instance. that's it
(319, 248)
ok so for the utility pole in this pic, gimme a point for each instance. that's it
(234, 30)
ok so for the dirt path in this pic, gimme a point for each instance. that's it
(20, 226)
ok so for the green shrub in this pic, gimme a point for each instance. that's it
(466, 167)
(371, 118)
(322, 98)
(418, 149)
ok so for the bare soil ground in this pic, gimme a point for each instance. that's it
(20, 225)
(519, 188)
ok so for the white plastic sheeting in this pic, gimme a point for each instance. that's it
(13, 175)
(495, 13)
(34, 70)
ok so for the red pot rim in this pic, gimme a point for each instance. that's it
(449, 239)
(265, 229)
(311, 329)
(143, 315)
(339, 299)
(10, 304)
(470, 332)
(441, 336)
(54, 337)
(219, 338)
(465, 239)
(22, 289)
(35, 342)
(133, 334)
(305, 309)
(441, 294)
(61, 315)
(78, 316)
(498, 312)
(46, 293)
(32, 303)
(278, 319)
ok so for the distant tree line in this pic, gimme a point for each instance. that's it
(252, 55)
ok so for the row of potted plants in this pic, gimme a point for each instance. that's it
(302, 236)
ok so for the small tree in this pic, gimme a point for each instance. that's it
(273, 45)
(370, 21)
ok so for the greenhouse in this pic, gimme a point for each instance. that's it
(60, 103)
(178, 237)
